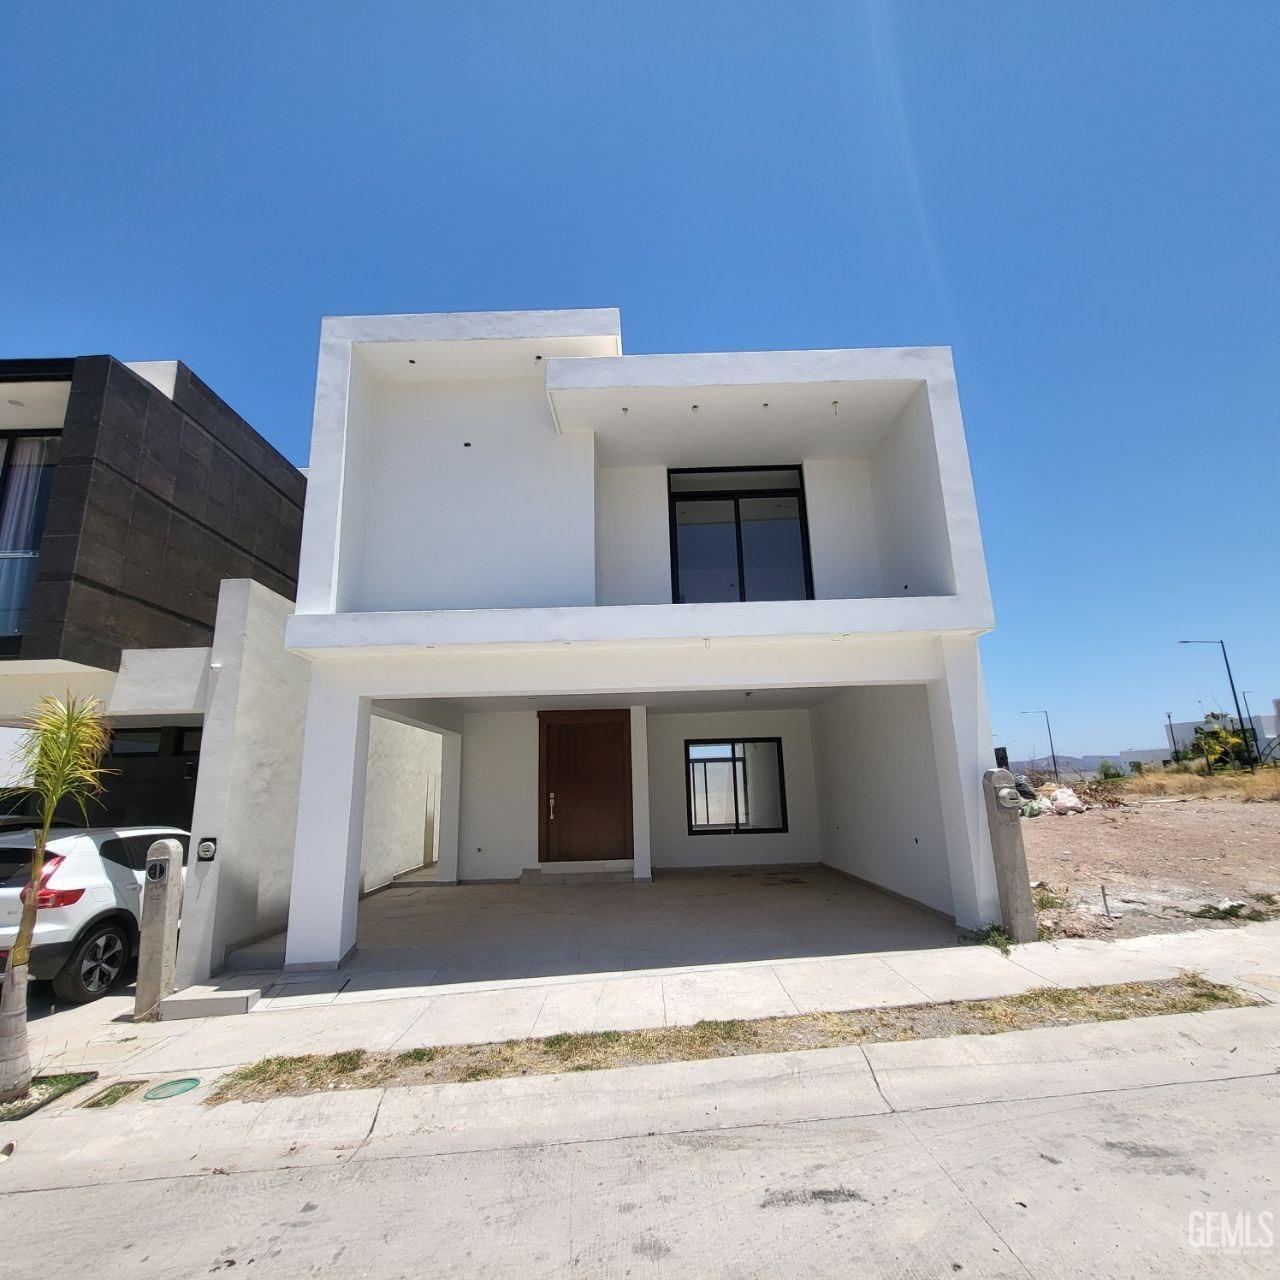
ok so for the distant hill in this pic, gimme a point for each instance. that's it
(1089, 764)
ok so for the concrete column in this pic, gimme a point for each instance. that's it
(449, 809)
(326, 857)
(1017, 911)
(962, 749)
(158, 945)
(640, 841)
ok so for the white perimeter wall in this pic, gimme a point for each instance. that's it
(633, 536)
(844, 544)
(431, 524)
(877, 775)
(247, 793)
(498, 831)
(671, 843)
(401, 781)
(915, 547)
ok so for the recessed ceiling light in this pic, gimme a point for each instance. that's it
(17, 404)
(412, 360)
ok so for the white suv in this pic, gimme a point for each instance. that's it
(88, 906)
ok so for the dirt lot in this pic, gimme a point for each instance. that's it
(1160, 861)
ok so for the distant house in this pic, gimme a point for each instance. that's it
(1182, 735)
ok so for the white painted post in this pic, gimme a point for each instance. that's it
(448, 814)
(325, 893)
(962, 751)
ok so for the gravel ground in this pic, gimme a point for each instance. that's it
(1158, 861)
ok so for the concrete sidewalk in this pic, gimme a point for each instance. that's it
(324, 1015)
(1078, 1150)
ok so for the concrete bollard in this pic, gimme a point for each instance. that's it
(158, 944)
(1017, 910)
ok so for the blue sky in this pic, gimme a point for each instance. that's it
(1081, 198)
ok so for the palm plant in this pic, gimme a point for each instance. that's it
(60, 755)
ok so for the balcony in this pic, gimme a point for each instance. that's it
(17, 577)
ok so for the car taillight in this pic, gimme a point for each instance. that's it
(46, 897)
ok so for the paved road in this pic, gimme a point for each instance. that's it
(1065, 1152)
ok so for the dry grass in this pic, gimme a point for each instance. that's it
(1261, 786)
(595, 1051)
(112, 1094)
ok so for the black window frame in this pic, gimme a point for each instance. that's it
(127, 734)
(736, 829)
(735, 496)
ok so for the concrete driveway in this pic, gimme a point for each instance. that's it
(492, 932)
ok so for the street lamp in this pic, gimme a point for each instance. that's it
(1173, 740)
(1231, 681)
(1053, 754)
(1244, 693)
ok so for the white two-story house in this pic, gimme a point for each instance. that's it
(664, 611)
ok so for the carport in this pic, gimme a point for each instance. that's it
(417, 933)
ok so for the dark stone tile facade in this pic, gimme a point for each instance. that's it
(154, 502)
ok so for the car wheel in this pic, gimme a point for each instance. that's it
(95, 965)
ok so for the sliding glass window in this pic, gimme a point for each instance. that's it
(735, 785)
(739, 535)
(26, 474)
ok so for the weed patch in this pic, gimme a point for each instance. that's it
(595, 1051)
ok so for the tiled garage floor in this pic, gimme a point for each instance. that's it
(447, 934)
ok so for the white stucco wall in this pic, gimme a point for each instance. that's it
(915, 546)
(671, 843)
(401, 779)
(247, 792)
(462, 495)
(498, 835)
(11, 773)
(633, 536)
(844, 544)
(878, 782)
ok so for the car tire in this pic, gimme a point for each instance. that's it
(95, 966)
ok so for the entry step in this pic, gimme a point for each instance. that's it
(236, 993)
(603, 871)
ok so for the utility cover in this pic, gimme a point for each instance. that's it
(171, 1088)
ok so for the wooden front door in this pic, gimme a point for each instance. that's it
(584, 780)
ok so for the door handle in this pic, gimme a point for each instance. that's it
(551, 809)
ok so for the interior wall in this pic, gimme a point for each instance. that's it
(633, 536)
(673, 846)
(915, 547)
(247, 788)
(401, 782)
(467, 498)
(498, 836)
(843, 542)
(878, 781)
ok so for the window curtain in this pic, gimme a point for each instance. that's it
(27, 474)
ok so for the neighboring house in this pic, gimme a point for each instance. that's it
(128, 494)
(660, 611)
(1182, 734)
(149, 543)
